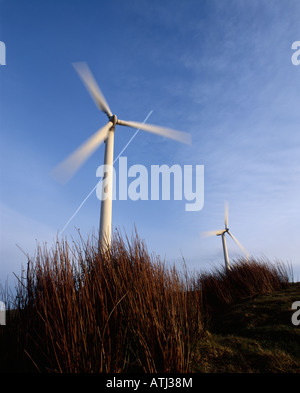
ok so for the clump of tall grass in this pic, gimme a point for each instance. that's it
(90, 309)
(85, 308)
(244, 279)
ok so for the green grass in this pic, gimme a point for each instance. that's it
(84, 309)
(253, 335)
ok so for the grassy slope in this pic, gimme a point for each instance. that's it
(255, 335)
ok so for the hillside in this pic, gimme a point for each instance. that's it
(254, 335)
(85, 309)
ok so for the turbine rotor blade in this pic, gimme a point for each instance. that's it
(179, 136)
(214, 233)
(239, 244)
(226, 215)
(67, 168)
(90, 83)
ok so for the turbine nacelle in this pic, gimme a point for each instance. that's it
(114, 120)
(220, 233)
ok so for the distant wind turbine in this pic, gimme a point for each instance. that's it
(64, 171)
(222, 233)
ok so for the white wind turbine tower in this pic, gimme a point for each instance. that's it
(64, 171)
(222, 233)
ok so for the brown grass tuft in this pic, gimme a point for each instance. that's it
(90, 309)
(85, 309)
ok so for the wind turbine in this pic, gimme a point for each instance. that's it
(222, 233)
(66, 169)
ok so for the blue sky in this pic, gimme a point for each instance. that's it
(220, 70)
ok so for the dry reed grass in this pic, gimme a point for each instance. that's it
(86, 309)
(90, 309)
(222, 287)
